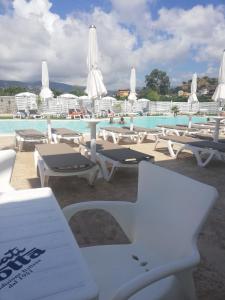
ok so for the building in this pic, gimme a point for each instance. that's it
(68, 102)
(7, 104)
(204, 91)
(26, 101)
(183, 94)
(123, 93)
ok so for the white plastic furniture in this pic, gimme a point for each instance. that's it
(74, 138)
(7, 161)
(20, 140)
(117, 137)
(162, 226)
(107, 164)
(202, 155)
(45, 172)
(39, 256)
(177, 130)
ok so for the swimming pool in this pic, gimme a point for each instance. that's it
(9, 126)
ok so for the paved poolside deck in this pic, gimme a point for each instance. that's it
(210, 275)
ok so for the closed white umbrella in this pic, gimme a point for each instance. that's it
(132, 96)
(193, 97)
(45, 90)
(219, 93)
(95, 86)
(45, 94)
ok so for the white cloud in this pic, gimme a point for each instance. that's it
(31, 33)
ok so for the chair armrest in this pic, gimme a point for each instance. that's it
(144, 280)
(122, 211)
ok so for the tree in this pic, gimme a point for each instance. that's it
(11, 90)
(158, 81)
(56, 92)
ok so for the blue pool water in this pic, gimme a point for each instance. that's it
(9, 126)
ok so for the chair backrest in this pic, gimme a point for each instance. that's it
(170, 210)
(7, 160)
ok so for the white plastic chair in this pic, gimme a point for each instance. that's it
(162, 226)
(7, 161)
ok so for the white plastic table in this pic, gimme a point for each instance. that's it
(92, 123)
(39, 256)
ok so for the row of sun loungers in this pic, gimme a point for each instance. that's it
(198, 140)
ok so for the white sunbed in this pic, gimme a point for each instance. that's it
(61, 160)
(203, 150)
(111, 157)
(118, 134)
(29, 136)
(146, 133)
(59, 134)
(176, 129)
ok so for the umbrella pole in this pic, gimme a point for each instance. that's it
(49, 128)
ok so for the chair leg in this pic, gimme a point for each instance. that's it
(157, 141)
(115, 141)
(104, 169)
(111, 173)
(200, 161)
(171, 150)
(93, 175)
(20, 145)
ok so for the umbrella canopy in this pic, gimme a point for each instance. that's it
(193, 97)
(132, 96)
(219, 93)
(95, 86)
(45, 90)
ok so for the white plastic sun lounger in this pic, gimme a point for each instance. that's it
(146, 133)
(176, 129)
(162, 226)
(203, 150)
(7, 161)
(30, 136)
(59, 134)
(112, 157)
(62, 161)
(118, 134)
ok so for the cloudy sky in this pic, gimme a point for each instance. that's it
(178, 36)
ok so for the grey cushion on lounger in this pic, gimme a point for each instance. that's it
(179, 139)
(209, 145)
(103, 145)
(177, 127)
(62, 158)
(195, 142)
(30, 133)
(126, 155)
(65, 132)
(119, 130)
(118, 153)
(143, 129)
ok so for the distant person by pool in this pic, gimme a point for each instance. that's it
(122, 121)
(111, 121)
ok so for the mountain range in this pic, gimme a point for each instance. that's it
(36, 85)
